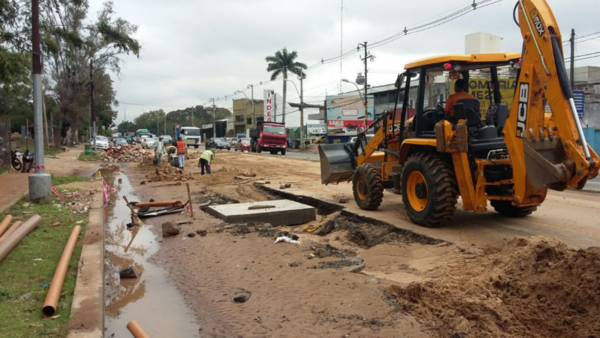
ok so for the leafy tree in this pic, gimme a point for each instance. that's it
(126, 126)
(72, 47)
(281, 63)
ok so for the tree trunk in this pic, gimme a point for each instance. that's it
(284, 95)
(71, 139)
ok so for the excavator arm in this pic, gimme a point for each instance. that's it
(546, 151)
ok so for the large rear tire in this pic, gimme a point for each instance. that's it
(429, 190)
(505, 208)
(367, 187)
(258, 149)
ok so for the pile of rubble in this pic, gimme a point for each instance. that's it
(126, 153)
(166, 172)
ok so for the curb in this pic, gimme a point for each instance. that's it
(87, 309)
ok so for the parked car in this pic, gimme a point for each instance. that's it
(101, 142)
(149, 142)
(129, 139)
(120, 141)
(218, 143)
(242, 145)
(166, 139)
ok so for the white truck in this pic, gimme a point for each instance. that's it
(190, 136)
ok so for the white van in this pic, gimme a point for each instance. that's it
(191, 136)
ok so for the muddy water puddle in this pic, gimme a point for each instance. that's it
(150, 299)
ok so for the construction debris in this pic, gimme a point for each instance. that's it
(127, 153)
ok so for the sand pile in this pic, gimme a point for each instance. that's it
(532, 287)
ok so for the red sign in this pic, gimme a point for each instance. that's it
(345, 126)
(269, 104)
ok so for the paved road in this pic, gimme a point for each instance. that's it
(593, 184)
(294, 154)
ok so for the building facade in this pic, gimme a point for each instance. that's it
(241, 120)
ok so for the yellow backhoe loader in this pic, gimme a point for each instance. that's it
(510, 158)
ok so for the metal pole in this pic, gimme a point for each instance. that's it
(165, 123)
(253, 111)
(38, 122)
(301, 111)
(573, 58)
(366, 85)
(92, 106)
(214, 119)
(39, 183)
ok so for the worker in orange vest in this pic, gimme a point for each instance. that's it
(181, 152)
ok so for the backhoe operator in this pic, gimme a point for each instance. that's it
(459, 94)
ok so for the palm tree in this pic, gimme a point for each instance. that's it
(282, 62)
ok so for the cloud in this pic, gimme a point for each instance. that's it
(196, 50)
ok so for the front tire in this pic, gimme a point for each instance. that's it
(429, 190)
(505, 208)
(196, 146)
(283, 152)
(258, 148)
(16, 164)
(367, 187)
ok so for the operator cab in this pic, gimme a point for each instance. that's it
(490, 81)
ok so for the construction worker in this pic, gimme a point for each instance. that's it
(181, 152)
(158, 151)
(205, 160)
(459, 94)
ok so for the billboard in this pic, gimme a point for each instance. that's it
(316, 129)
(269, 105)
(346, 114)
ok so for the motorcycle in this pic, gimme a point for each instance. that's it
(28, 161)
(14, 160)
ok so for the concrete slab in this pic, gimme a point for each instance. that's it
(277, 212)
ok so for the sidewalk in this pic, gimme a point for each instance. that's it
(16, 184)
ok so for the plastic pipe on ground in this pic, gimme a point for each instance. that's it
(136, 330)
(10, 230)
(49, 308)
(156, 204)
(7, 245)
(5, 222)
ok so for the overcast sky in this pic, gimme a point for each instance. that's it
(196, 50)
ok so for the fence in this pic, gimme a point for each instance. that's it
(4, 142)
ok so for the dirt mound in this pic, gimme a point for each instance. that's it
(534, 287)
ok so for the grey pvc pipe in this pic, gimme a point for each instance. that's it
(16, 237)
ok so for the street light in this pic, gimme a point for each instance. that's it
(362, 98)
(300, 92)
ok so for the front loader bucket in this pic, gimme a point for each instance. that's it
(337, 163)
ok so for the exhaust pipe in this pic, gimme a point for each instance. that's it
(7, 245)
(12, 229)
(5, 222)
(49, 308)
(136, 330)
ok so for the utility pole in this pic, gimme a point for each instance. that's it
(302, 75)
(251, 87)
(341, 41)
(274, 107)
(572, 58)
(39, 183)
(165, 123)
(214, 119)
(368, 56)
(92, 106)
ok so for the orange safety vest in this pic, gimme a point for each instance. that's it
(180, 148)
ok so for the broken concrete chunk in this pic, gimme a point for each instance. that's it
(356, 268)
(344, 200)
(128, 272)
(169, 229)
(202, 233)
(191, 234)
